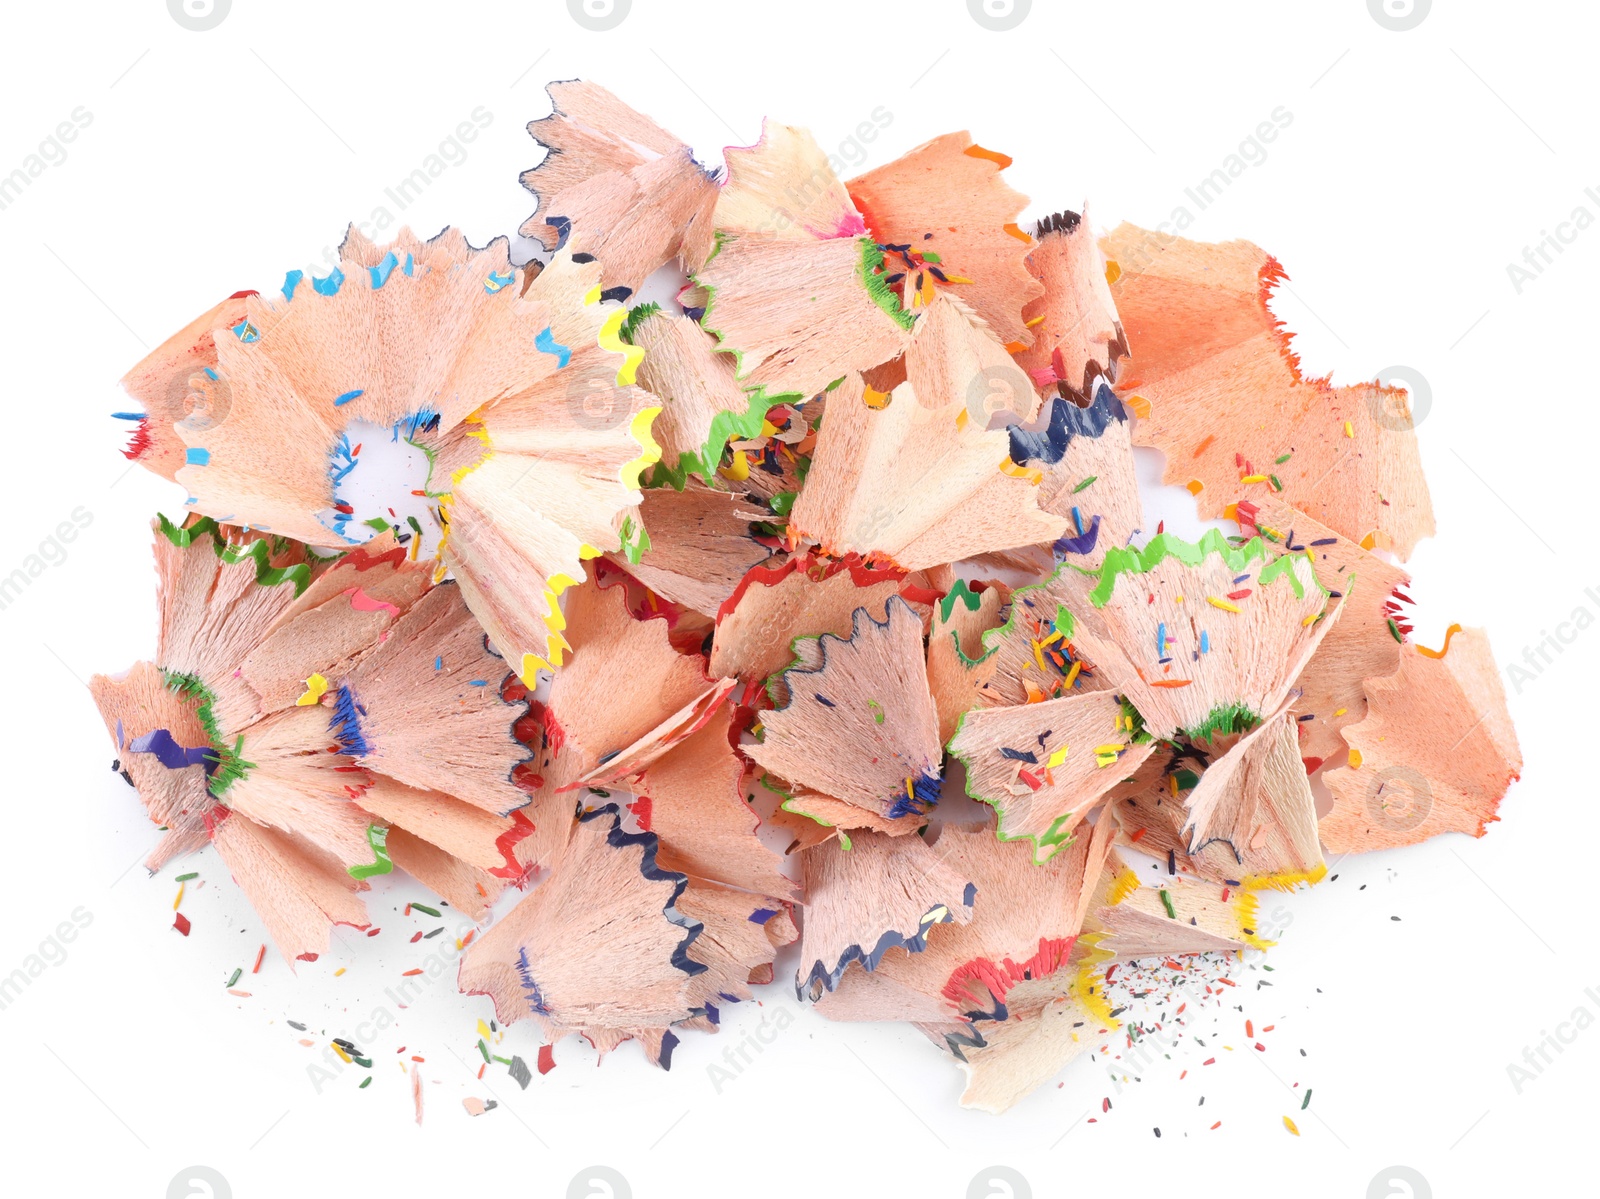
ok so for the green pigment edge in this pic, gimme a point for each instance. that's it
(232, 553)
(231, 766)
(1122, 560)
(378, 839)
(726, 426)
(871, 261)
(1050, 842)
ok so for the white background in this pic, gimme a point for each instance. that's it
(1417, 166)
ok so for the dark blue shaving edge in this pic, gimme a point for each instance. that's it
(958, 1042)
(1060, 420)
(869, 960)
(518, 709)
(618, 839)
(1195, 848)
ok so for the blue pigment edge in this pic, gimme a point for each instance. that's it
(890, 939)
(1047, 439)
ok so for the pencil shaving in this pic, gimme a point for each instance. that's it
(675, 626)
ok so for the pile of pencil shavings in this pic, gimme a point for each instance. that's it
(852, 502)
